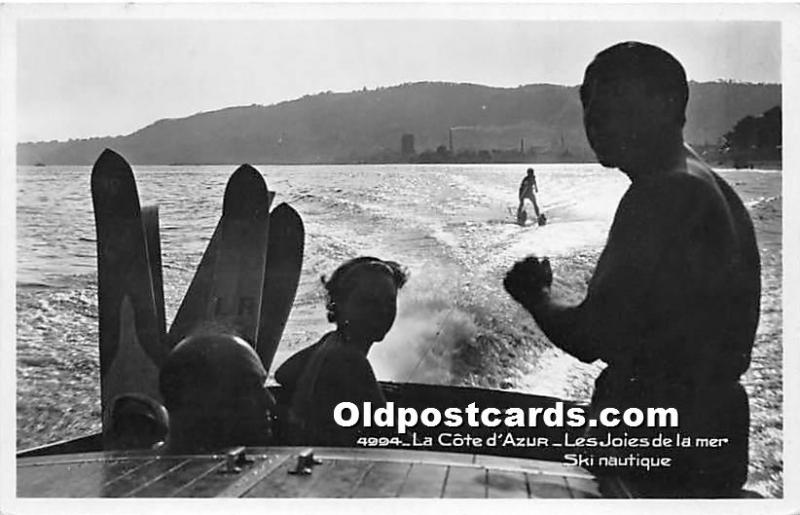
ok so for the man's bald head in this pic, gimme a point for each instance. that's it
(660, 73)
(634, 99)
(214, 387)
(208, 363)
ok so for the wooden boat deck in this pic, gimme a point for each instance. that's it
(343, 472)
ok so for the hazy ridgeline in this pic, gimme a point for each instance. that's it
(368, 125)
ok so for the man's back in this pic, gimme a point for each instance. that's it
(686, 280)
(675, 300)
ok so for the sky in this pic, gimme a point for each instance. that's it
(79, 78)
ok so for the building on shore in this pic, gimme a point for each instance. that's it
(407, 145)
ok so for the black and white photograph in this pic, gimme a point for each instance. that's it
(421, 251)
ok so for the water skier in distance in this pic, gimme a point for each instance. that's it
(214, 387)
(673, 305)
(528, 190)
(362, 302)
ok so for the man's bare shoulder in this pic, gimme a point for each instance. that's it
(700, 172)
(697, 182)
(676, 197)
(699, 169)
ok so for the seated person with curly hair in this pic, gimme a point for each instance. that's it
(362, 302)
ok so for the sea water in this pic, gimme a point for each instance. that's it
(453, 227)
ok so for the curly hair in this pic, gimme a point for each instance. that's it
(340, 282)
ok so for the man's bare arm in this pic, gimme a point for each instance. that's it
(609, 319)
(529, 283)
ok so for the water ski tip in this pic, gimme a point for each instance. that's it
(542, 220)
(246, 194)
(110, 160)
(286, 211)
(113, 186)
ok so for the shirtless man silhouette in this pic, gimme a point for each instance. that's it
(673, 305)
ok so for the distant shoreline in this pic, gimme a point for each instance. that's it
(757, 165)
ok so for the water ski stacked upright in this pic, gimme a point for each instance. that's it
(244, 285)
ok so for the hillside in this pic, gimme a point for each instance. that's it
(357, 126)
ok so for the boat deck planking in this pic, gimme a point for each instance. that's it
(343, 473)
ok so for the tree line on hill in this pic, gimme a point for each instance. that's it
(755, 139)
(484, 124)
